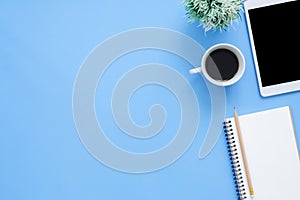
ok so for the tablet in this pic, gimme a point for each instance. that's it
(274, 37)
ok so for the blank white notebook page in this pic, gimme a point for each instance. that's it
(272, 154)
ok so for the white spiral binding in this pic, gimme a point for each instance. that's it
(235, 160)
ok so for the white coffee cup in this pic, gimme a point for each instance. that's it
(222, 64)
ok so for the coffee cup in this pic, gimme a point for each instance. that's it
(222, 64)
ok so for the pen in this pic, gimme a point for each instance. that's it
(236, 119)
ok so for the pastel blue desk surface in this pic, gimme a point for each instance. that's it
(43, 45)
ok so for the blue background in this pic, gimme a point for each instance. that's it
(43, 45)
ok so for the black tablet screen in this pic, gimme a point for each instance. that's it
(275, 31)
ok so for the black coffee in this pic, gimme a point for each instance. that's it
(222, 64)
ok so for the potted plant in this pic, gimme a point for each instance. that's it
(214, 14)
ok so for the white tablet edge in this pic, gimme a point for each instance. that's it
(280, 88)
(250, 4)
(274, 89)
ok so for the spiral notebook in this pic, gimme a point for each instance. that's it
(272, 154)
